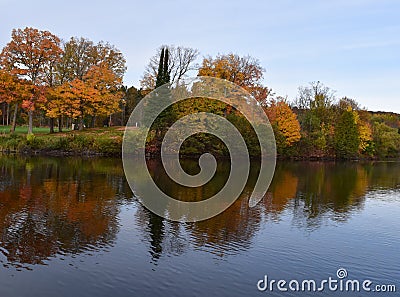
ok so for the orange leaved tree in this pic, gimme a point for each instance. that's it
(14, 91)
(284, 122)
(87, 79)
(246, 72)
(106, 86)
(32, 54)
(97, 93)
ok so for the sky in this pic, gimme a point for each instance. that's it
(351, 46)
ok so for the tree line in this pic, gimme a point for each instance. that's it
(47, 81)
(60, 80)
(316, 124)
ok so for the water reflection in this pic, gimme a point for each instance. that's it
(57, 206)
(315, 191)
(310, 192)
(52, 206)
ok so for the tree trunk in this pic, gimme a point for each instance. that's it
(8, 114)
(30, 126)
(51, 125)
(60, 122)
(93, 121)
(123, 116)
(3, 112)
(80, 123)
(14, 122)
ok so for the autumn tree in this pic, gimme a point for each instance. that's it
(8, 90)
(14, 91)
(245, 71)
(284, 122)
(317, 115)
(81, 54)
(32, 54)
(83, 60)
(57, 102)
(106, 86)
(97, 93)
(180, 60)
(366, 139)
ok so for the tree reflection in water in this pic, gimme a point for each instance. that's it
(310, 192)
(52, 207)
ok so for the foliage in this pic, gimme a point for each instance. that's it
(81, 54)
(347, 137)
(98, 93)
(46, 81)
(131, 99)
(12, 89)
(246, 72)
(366, 140)
(285, 123)
(386, 140)
(163, 76)
(32, 54)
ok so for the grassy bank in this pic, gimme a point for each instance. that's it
(24, 130)
(108, 142)
(97, 141)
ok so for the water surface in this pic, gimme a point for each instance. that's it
(71, 227)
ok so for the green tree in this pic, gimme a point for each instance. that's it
(163, 74)
(132, 97)
(387, 140)
(347, 137)
(316, 114)
(160, 73)
(166, 69)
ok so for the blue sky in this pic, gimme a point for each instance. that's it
(351, 46)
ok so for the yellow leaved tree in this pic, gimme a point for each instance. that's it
(284, 121)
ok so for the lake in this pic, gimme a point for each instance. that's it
(71, 227)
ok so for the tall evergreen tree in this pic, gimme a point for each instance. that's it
(163, 74)
(160, 78)
(166, 76)
(163, 96)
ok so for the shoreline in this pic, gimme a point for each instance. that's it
(107, 142)
(97, 154)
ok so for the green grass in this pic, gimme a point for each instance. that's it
(24, 130)
(106, 141)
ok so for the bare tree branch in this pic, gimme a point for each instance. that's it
(180, 61)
